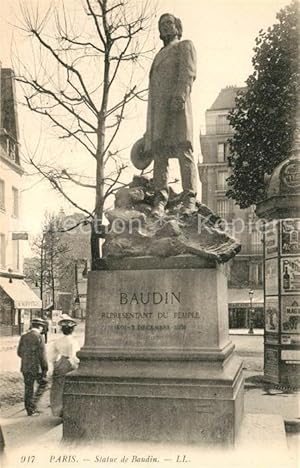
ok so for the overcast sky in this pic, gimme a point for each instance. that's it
(223, 32)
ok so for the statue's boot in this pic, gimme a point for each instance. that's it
(160, 201)
(159, 209)
(188, 204)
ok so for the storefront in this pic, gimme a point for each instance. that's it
(243, 310)
(18, 304)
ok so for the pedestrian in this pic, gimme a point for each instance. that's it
(2, 442)
(46, 327)
(64, 360)
(2, 449)
(34, 365)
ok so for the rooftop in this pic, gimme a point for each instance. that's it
(226, 98)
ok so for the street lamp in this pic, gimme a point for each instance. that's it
(250, 323)
(77, 301)
(36, 275)
(77, 306)
(10, 275)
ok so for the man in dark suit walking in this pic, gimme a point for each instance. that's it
(34, 365)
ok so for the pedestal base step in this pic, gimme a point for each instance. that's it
(262, 443)
(177, 407)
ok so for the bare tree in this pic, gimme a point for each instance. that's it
(53, 257)
(82, 81)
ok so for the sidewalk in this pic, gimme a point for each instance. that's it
(42, 437)
(261, 398)
(244, 331)
(11, 342)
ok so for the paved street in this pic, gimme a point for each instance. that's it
(20, 431)
(10, 362)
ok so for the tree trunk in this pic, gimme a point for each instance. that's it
(96, 231)
(52, 281)
(41, 272)
(97, 224)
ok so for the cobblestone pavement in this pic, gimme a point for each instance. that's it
(260, 398)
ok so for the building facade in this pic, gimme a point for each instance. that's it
(17, 301)
(246, 272)
(66, 290)
(78, 240)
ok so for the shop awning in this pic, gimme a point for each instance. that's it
(240, 298)
(20, 293)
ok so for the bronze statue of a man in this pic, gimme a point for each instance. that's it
(169, 131)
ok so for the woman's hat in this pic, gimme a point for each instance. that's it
(39, 321)
(65, 319)
(140, 158)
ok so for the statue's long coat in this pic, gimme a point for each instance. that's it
(172, 74)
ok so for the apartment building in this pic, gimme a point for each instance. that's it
(246, 275)
(17, 300)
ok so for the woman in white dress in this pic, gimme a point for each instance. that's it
(64, 360)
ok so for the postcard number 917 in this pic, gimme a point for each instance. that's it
(27, 459)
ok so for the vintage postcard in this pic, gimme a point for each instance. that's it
(149, 233)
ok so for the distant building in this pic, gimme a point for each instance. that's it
(17, 300)
(70, 268)
(246, 268)
(78, 240)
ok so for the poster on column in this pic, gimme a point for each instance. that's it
(290, 318)
(290, 237)
(271, 239)
(290, 275)
(272, 314)
(271, 277)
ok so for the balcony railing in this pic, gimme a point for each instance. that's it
(221, 187)
(252, 249)
(227, 215)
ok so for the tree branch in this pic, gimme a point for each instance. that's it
(60, 125)
(82, 44)
(65, 65)
(110, 190)
(64, 172)
(57, 186)
(120, 118)
(42, 90)
(132, 96)
(96, 23)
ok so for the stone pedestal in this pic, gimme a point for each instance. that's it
(157, 363)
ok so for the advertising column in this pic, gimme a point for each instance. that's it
(271, 292)
(282, 301)
(290, 301)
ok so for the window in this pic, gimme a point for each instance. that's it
(221, 180)
(223, 208)
(255, 274)
(16, 254)
(221, 152)
(256, 244)
(2, 194)
(11, 149)
(15, 199)
(2, 251)
(223, 124)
